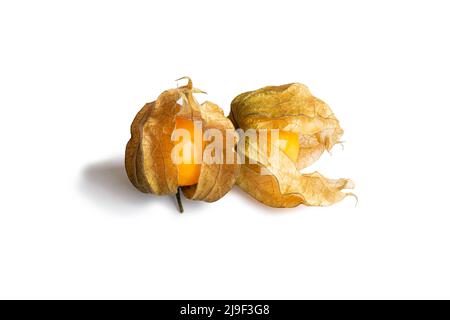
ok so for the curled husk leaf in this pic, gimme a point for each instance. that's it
(291, 108)
(148, 160)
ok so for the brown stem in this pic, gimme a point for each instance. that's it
(180, 205)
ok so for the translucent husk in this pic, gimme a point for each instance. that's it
(148, 153)
(293, 108)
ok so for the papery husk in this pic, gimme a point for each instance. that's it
(215, 179)
(280, 184)
(148, 160)
(291, 108)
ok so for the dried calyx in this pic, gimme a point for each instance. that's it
(148, 159)
(307, 127)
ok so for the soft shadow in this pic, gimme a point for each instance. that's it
(106, 183)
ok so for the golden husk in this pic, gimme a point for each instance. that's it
(148, 153)
(293, 108)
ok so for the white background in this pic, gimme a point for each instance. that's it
(74, 73)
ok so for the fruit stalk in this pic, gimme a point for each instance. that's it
(180, 204)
